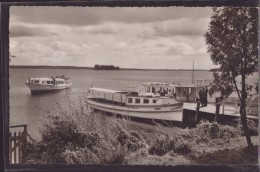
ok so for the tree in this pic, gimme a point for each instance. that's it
(233, 45)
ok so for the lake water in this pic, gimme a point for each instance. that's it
(30, 110)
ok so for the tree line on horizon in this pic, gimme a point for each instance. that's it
(106, 67)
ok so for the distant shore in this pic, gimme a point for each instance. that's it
(92, 68)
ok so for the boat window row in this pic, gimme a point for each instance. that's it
(60, 82)
(36, 81)
(143, 101)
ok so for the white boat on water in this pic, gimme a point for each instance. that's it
(135, 106)
(43, 85)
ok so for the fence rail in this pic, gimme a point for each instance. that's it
(251, 105)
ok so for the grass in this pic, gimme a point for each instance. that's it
(75, 136)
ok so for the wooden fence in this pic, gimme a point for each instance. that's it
(17, 144)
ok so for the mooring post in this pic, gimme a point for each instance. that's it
(24, 158)
(217, 111)
(197, 112)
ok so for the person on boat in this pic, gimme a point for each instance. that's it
(174, 95)
(206, 96)
(153, 90)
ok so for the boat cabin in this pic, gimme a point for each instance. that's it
(156, 89)
(128, 98)
(187, 92)
(181, 92)
(46, 81)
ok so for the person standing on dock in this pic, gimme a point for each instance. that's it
(206, 95)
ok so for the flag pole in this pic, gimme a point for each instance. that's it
(193, 71)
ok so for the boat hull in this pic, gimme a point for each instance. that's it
(168, 113)
(40, 88)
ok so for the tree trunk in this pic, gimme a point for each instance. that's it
(243, 108)
(244, 124)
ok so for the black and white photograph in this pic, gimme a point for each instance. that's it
(133, 85)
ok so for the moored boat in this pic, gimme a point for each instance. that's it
(143, 107)
(43, 85)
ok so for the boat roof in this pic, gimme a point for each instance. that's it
(104, 90)
(189, 85)
(171, 84)
(48, 79)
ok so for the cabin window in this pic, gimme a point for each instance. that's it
(48, 82)
(137, 100)
(51, 82)
(130, 100)
(36, 81)
(146, 101)
(155, 101)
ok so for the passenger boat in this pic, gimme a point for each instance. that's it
(43, 85)
(140, 107)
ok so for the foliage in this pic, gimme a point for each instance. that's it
(106, 67)
(231, 38)
(252, 127)
(78, 137)
(233, 45)
(186, 141)
(220, 84)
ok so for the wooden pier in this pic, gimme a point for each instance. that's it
(222, 112)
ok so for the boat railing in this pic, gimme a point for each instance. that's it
(203, 82)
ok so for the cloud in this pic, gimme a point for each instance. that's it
(126, 37)
(81, 16)
(19, 30)
(106, 28)
(170, 28)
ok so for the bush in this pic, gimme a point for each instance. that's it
(252, 127)
(132, 140)
(77, 137)
(206, 131)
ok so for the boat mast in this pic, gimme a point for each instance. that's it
(193, 71)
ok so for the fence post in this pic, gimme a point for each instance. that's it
(197, 113)
(15, 148)
(20, 142)
(10, 147)
(24, 158)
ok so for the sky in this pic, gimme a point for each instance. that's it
(128, 37)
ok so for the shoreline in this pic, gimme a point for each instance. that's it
(92, 68)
